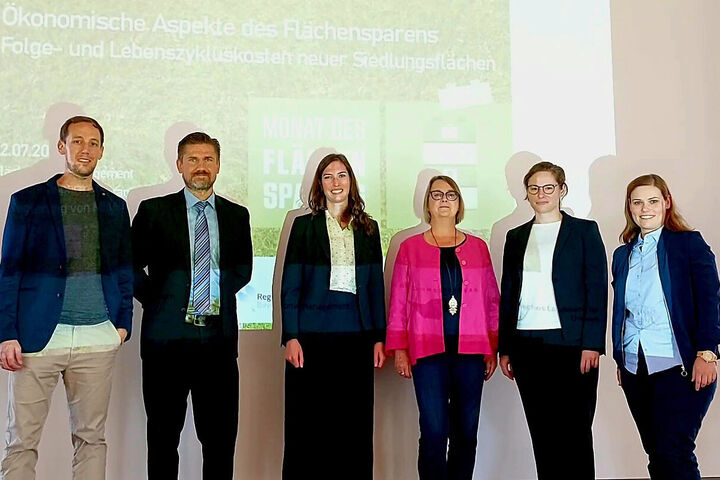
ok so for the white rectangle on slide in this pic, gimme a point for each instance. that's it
(436, 153)
(470, 197)
(454, 97)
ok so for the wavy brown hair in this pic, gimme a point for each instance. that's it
(356, 205)
(673, 220)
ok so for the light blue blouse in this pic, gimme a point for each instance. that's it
(647, 319)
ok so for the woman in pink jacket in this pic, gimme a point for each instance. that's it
(442, 330)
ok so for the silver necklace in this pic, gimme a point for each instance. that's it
(452, 303)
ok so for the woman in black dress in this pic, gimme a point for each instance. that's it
(333, 313)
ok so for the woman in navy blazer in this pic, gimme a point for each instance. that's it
(553, 316)
(333, 317)
(665, 327)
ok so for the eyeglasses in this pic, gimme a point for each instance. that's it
(438, 195)
(547, 189)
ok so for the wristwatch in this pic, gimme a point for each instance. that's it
(708, 356)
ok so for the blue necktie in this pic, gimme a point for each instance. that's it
(201, 262)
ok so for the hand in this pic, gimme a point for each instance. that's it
(506, 367)
(402, 363)
(491, 363)
(703, 373)
(11, 355)
(618, 378)
(294, 353)
(379, 354)
(590, 359)
(123, 334)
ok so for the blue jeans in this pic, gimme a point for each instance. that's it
(448, 388)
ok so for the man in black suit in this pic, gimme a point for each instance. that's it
(192, 254)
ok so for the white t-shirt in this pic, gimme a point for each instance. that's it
(538, 310)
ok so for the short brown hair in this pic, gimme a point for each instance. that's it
(64, 130)
(673, 220)
(461, 204)
(198, 138)
(555, 170)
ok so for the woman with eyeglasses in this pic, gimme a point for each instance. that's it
(665, 327)
(442, 330)
(553, 313)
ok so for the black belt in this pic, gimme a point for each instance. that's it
(201, 320)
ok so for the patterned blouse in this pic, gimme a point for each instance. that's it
(342, 256)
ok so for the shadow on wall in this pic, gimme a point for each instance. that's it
(44, 168)
(262, 389)
(126, 422)
(608, 179)
(396, 414)
(504, 438)
(421, 185)
(607, 193)
(515, 169)
(607, 197)
(173, 135)
(128, 375)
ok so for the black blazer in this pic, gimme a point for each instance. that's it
(160, 229)
(33, 270)
(306, 280)
(689, 279)
(579, 276)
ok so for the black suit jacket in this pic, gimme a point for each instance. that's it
(33, 270)
(160, 229)
(306, 280)
(689, 279)
(579, 277)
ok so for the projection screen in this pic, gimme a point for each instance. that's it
(398, 87)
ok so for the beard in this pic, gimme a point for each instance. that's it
(196, 182)
(82, 170)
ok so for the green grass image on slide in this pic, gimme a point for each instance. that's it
(409, 84)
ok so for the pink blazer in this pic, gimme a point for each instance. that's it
(415, 320)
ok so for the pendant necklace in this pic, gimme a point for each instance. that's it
(452, 303)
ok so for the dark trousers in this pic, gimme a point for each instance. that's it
(448, 388)
(211, 376)
(329, 406)
(668, 413)
(559, 404)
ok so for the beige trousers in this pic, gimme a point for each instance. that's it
(86, 371)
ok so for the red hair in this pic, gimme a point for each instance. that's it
(673, 220)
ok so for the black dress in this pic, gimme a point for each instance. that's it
(329, 402)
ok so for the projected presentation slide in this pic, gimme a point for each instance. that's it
(399, 87)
